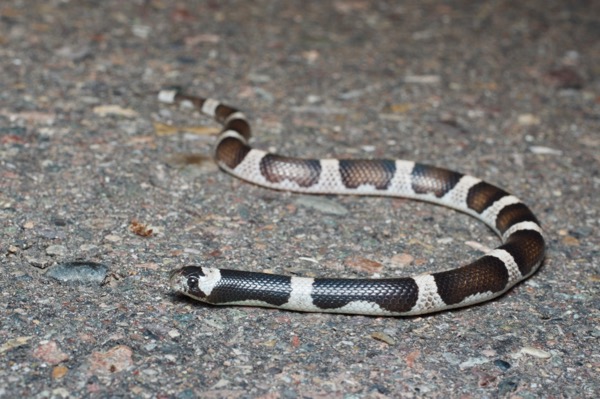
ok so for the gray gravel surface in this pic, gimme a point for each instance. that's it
(103, 191)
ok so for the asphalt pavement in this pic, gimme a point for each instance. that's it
(103, 191)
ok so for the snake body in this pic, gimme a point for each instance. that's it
(519, 256)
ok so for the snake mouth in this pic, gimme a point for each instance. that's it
(176, 281)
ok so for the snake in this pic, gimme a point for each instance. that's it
(520, 254)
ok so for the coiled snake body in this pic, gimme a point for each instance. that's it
(519, 256)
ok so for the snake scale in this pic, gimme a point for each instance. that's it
(519, 256)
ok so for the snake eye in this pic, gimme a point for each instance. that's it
(192, 282)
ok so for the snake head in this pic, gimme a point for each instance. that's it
(194, 281)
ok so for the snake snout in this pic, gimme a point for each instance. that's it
(187, 281)
(174, 273)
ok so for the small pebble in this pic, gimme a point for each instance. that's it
(87, 247)
(535, 352)
(401, 260)
(540, 150)
(220, 384)
(40, 263)
(383, 337)
(150, 347)
(14, 343)
(60, 393)
(113, 238)
(56, 250)
(116, 359)
(363, 264)
(59, 372)
(28, 225)
(111, 109)
(502, 365)
(83, 272)
(323, 205)
(473, 361)
(528, 120)
(49, 352)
